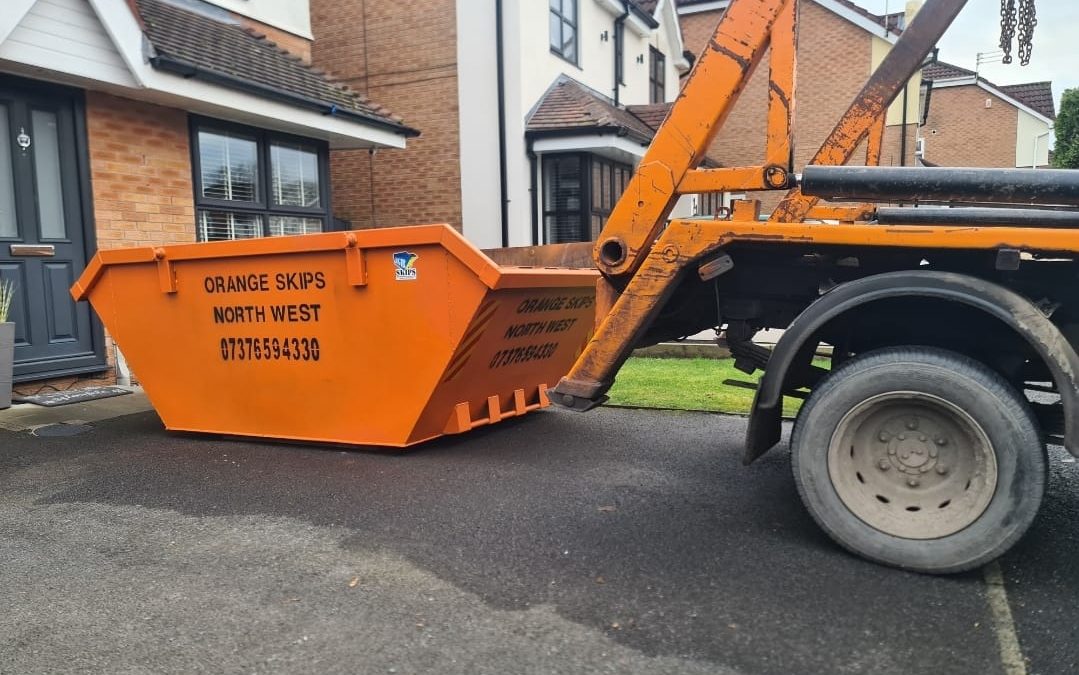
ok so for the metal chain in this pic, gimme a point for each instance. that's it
(1024, 18)
(1028, 19)
(1007, 28)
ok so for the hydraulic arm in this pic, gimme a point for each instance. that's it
(641, 255)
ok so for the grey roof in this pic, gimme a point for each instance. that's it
(195, 43)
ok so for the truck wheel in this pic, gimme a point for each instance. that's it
(920, 458)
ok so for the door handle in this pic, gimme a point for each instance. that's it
(40, 250)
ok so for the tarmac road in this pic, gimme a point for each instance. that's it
(617, 541)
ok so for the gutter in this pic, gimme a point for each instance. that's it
(588, 131)
(503, 178)
(646, 18)
(620, 48)
(533, 190)
(189, 70)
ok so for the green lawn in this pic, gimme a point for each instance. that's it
(688, 384)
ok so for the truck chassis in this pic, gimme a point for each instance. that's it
(951, 343)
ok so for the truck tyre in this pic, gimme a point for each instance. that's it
(919, 458)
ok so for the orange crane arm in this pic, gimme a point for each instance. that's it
(642, 272)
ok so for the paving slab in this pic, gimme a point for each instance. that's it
(23, 416)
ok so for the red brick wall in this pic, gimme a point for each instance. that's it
(404, 56)
(834, 60)
(293, 44)
(140, 170)
(961, 131)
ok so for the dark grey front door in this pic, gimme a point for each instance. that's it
(43, 230)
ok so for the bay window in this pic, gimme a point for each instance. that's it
(579, 192)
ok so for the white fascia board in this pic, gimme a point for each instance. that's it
(704, 7)
(952, 81)
(831, 5)
(638, 26)
(237, 106)
(592, 142)
(667, 9)
(209, 99)
(613, 7)
(857, 19)
(12, 15)
(126, 34)
(967, 81)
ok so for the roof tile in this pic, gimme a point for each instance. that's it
(1037, 95)
(945, 71)
(186, 38)
(570, 105)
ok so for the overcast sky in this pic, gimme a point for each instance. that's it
(977, 29)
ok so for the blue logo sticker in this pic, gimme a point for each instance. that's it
(404, 266)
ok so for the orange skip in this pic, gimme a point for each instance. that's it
(373, 337)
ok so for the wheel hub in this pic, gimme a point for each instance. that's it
(915, 452)
(912, 465)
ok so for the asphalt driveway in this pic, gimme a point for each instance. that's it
(617, 541)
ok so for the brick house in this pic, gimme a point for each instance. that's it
(529, 109)
(839, 46)
(973, 122)
(136, 122)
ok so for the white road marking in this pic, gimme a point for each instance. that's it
(1011, 656)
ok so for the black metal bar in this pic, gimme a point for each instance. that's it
(503, 175)
(998, 186)
(977, 216)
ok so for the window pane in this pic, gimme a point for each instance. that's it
(567, 186)
(597, 226)
(229, 164)
(569, 41)
(294, 175)
(225, 225)
(606, 200)
(556, 32)
(287, 225)
(562, 183)
(597, 190)
(563, 228)
(569, 10)
(9, 226)
(50, 197)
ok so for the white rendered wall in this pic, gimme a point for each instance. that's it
(1029, 130)
(477, 98)
(531, 69)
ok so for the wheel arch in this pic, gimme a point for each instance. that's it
(1013, 310)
